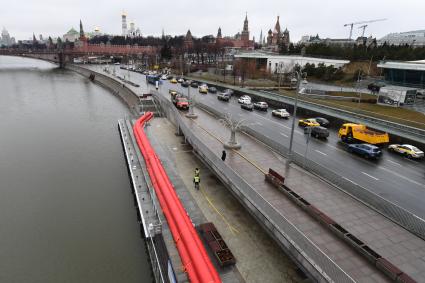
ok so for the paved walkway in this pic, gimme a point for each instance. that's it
(402, 248)
(259, 259)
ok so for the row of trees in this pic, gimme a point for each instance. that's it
(358, 52)
(323, 72)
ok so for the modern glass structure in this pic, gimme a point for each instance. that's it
(410, 74)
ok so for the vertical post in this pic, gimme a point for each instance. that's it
(294, 117)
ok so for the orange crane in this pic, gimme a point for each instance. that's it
(359, 23)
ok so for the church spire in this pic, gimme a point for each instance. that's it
(81, 30)
(245, 23)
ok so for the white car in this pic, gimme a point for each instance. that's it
(407, 150)
(164, 77)
(282, 113)
(180, 80)
(245, 99)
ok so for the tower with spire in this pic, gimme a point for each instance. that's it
(82, 36)
(219, 33)
(188, 40)
(245, 30)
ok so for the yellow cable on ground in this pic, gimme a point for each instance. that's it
(231, 228)
(235, 151)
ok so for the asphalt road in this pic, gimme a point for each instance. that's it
(393, 177)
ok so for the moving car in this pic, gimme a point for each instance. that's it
(261, 106)
(322, 121)
(181, 103)
(212, 90)
(194, 84)
(180, 80)
(351, 132)
(163, 77)
(308, 123)
(223, 96)
(365, 150)
(185, 84)
(318, 132)
(281, 113)
(407, 150)
(229, 91)
(203, 89)
(244, 99)
(173, 81)
(247, 106)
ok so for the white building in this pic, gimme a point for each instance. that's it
(413, 38)
(72, 35)
(5, 39)
(285, 63)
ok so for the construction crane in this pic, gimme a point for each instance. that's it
(359, 23)
(364, 28)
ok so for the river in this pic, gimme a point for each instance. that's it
(66, 209)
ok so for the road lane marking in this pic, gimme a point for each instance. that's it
(351, 181)
(370, 176)
(285, 135)
(402, 177)
(394, 162)
(320, 152)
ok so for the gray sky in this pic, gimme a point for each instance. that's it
(325, 17)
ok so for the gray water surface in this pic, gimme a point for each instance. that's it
(66, 208)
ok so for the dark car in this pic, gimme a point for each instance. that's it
(375, 87)
(317, 132)
(169, 77)
(185, 84)
(322, 121)
(365, 150)
(247, 106)
(194, 84)
(223, 96)
(212, 90)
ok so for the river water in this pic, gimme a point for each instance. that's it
(66, 208)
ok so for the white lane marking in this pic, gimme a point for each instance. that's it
(394, 162)
(370, 176)
(285, 135)
(402, 177)
(350, 181)
(258, 123)
(320, 152)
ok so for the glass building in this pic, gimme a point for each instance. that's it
(410, 74)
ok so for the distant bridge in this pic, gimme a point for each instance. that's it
(63, 56)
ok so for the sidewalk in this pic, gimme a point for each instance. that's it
(258, 258)
(402, 248)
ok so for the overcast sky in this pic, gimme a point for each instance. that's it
(325, 17)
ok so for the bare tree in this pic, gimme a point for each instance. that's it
(234, 126)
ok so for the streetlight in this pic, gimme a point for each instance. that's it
(191, 114)
(299, 77)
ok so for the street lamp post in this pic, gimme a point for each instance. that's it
(191, 114)
(291, 139)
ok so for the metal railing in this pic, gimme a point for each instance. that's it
(328, 270)
(401, 216)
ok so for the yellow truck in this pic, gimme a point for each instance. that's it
(351, 132)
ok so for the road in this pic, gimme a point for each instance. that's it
(393, 177)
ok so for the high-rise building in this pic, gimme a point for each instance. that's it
(124, 23)
(5, 38)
